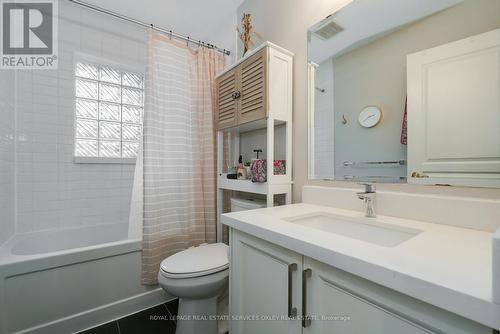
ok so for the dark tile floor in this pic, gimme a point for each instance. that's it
(156, 320)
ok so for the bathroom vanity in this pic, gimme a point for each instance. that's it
(322, 267)
(398, 92)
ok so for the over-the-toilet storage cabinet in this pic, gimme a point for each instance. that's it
(255, 94)
(268, 280)
(242, 92)
(258, 87)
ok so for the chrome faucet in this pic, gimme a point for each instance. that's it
(368, 196)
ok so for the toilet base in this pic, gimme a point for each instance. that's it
(197, 316)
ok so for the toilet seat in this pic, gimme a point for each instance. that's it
(197, 261)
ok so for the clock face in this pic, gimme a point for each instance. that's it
(370, 116)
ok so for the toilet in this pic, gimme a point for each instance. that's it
(242, 204)
(199, 277)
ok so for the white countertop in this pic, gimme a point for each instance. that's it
(446, 266)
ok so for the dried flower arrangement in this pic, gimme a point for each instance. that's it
(246, 34)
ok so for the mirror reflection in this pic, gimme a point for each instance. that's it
(361, 106)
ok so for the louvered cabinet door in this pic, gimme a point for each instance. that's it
(253, 99)
(225, 100)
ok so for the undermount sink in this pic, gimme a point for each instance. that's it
(365, 229)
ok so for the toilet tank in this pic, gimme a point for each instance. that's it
(242, 204)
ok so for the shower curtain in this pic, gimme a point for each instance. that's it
(179, 154)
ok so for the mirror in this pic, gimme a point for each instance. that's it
(365, 66)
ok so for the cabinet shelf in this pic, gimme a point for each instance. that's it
(252, 126)
(252, 187)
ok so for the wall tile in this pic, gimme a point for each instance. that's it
(7, 130)
(52, 191)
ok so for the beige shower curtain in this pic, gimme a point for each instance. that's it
(179, 150)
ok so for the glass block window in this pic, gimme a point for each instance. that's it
(109, 107)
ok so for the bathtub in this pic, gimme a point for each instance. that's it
(69, 280)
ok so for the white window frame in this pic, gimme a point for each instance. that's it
(124, 66)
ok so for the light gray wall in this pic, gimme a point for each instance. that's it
(285, 22)
(256, 139)
(365, 78)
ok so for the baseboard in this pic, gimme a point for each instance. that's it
(101, 315)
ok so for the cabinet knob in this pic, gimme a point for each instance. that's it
(236, 94)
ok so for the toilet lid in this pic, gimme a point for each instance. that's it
(197, 261)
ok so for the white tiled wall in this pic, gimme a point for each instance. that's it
(53, 191)
(323, 122)
(7, 127)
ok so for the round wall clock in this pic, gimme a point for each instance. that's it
(370, 116)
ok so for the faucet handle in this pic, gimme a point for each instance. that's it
(369, 187)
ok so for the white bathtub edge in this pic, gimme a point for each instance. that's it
(102, 314)
(24, 264)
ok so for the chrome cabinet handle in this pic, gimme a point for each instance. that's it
(292, 311)
(306, 320)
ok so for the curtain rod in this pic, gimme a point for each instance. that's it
(161, 30)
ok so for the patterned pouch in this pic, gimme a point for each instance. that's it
(258, 170)
(279, 167)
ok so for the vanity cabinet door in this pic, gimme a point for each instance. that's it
(341, 303)
(264, 288)
(226, 100)
(454, 113)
